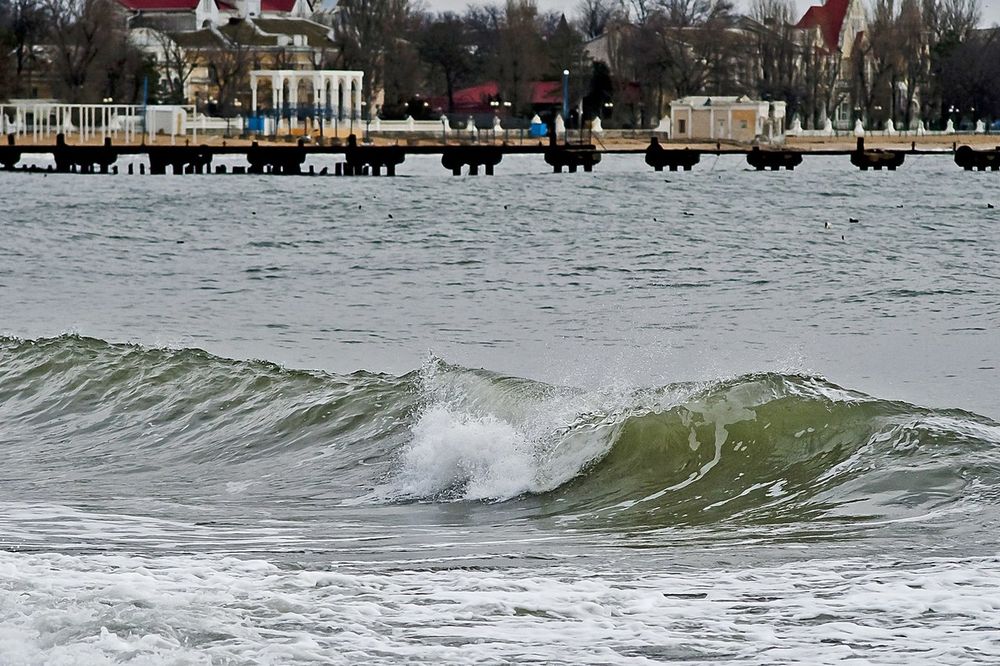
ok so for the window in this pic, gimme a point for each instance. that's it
(743, 124)
(681, 126)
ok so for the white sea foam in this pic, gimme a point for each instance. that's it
(480, 457)
(59, 609)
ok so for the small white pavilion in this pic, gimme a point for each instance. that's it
(336, 91)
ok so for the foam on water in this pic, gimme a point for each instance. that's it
(59, 609)
(466, 457)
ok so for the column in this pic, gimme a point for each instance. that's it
(356, 98)
(293, 102)
(729, 119)
(335, 102)
(253, 94)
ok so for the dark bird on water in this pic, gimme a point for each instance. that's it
(826, 225)
(390, 216)
(842, 237)
(506, 206)
(989, 205)
(853, 220)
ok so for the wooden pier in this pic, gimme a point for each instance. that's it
(361, 159)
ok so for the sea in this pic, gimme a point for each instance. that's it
(622, 417)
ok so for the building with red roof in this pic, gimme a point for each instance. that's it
(478, 98)
(189, 15)
(837, 24)
(833, 29)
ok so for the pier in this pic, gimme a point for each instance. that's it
(473, 159)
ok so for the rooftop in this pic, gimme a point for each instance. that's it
(829, 18)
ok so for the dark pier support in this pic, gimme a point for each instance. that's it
(570, 156)
(876, 159)
(360, 160)
(454, 158)
(773, 159)
(980, 160)
(658, 157)
(9, 154)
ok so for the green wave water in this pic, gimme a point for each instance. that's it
(769, 448)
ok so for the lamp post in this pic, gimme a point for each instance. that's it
(318, 60)
(506, 132)
(494, 105)
(565, 108)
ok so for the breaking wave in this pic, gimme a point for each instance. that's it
(764, 448)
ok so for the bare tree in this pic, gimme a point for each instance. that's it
(444, 46)
(83, 33)
(366, 31)
(593, 16)
(521, 58)
(228, 69)
(775, 51)
(176, 66)
(23, 24)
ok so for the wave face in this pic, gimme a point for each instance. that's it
(99, 420)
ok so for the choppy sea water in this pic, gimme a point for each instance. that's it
(620, 417)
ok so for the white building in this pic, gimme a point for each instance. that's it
(725, 118)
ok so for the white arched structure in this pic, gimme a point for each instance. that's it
(337, 92)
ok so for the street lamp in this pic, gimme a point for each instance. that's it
(565, 108)
(506, 132)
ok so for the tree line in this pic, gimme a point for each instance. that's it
(916, 60)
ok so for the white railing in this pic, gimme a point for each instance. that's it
(42, 120)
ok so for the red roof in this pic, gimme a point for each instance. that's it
(283, 6)
(477, 98)
(830, 20)
(159, 5)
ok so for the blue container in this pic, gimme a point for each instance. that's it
(255, 124)
(538, 130)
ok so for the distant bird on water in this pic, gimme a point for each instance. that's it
(390, 216)
(826, 225)
(989, 205)
(854, 220)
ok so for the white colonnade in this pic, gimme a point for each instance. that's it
(336, 93)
